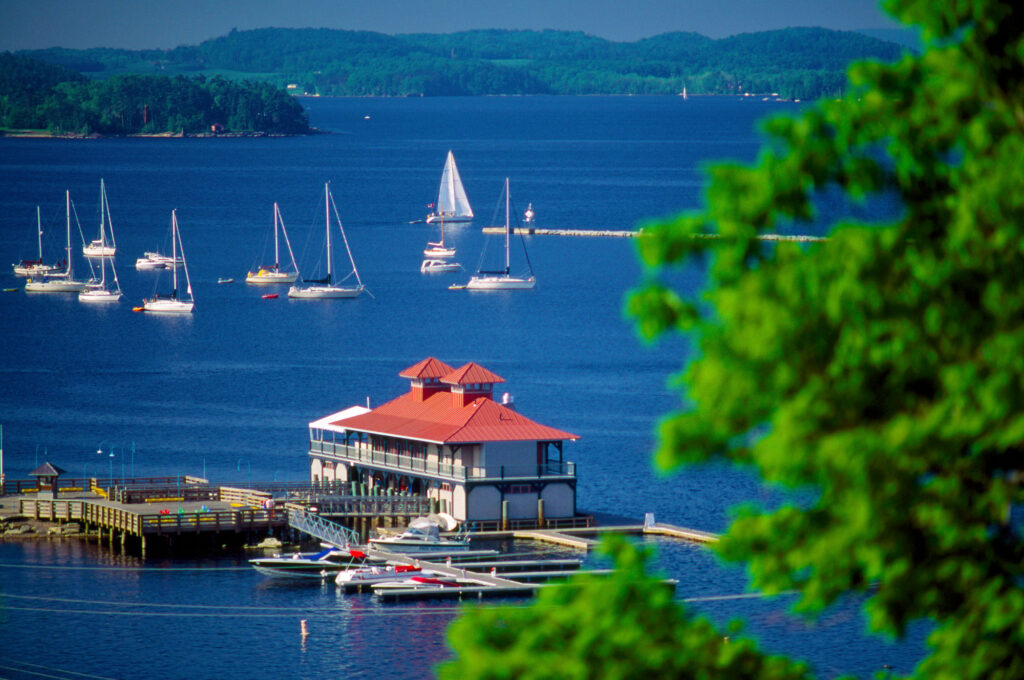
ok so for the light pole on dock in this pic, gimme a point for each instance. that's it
(110, 458)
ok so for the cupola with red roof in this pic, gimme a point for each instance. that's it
(470, 382)
(425, 378)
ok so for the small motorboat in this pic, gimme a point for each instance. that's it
(270, 296)
(415, 583)
(422, 536)
(436, 265)
(367, 576)
(321, 564)
(223, 280)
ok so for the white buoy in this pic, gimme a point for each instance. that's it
(302, 628)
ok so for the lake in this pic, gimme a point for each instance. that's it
(227, 393)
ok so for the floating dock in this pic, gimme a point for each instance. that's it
(628, 233)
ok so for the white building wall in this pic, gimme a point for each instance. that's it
(558, 501)
(521, 506)
(515, 456)
(484, 503)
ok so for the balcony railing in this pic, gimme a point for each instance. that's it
(430, 468)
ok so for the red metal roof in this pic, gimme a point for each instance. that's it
(471, 373)
(438, 419)
(428, 368)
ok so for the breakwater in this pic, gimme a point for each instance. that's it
(627, 233)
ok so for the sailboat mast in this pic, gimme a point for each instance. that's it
(508, 227)
(276, 257)
(103, 202)
(67, 248)
(39, 233)
(174, 253)
(327, 216)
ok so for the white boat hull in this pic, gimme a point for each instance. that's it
(449, 219)
(429, 266)
(54, 286)
(35, 269)
(146, 263)
(265, 277)
(99, 295)
(324, 292)
(99, 251)
(164, 306)
(439, 253)
(501, 283)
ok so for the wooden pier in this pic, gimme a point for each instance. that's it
(630, 233)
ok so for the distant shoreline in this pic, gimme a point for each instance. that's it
(43, 134)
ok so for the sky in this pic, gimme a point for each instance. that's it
(147, 24)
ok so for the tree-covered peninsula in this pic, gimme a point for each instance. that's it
(35, 95)
(797, 63)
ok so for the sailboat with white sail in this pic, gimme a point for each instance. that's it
(326, 288)
(172, 303)
(502, 279)
(36, 267)
(102, 289)
(452, 203)
(272, 273)
(60, 281)
(101, 247)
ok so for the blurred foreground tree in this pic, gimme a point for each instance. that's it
(882, 369)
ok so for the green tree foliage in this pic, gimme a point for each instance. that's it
(880, 371)
(38, 95)
(333, 62)
(623, 626)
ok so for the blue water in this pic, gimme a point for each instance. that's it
(227, 392)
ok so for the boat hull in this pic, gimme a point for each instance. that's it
(99, 296)
(429, 266)
(267, 277)
(501, 283)
(99, 251)
(324, 292)
(146, 263)
(35, 269)
(449, 219)
(161, 306)
(54, 286)
(418, 547)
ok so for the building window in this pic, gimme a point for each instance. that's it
(519, 488)
(445, 486)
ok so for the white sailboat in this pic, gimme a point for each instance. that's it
(100, 290)
(452, 203)
(271, 273)
(36, 267)
(326, 288)
(502, 279)
(171, 303)
(100, 247)
(437, 249)
(62, 281)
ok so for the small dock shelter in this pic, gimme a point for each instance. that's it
(46, 476)
(448, 439)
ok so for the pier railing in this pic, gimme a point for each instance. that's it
(432, 468)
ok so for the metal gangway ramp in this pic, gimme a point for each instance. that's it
(319, 527)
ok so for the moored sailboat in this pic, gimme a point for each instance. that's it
(100, 289)
(272, 273)
(61, 281)
(452, 203)
(502, 279)
(101, 247)
(326, 288)
(36, 267)
(172, 303)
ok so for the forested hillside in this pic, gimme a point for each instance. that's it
(796, 62)
(37, 95)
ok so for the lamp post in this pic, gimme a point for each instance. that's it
(110, 459)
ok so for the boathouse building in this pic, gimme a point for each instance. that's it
(448, 439)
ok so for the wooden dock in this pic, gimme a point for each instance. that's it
(577, 537)
(630, 233)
